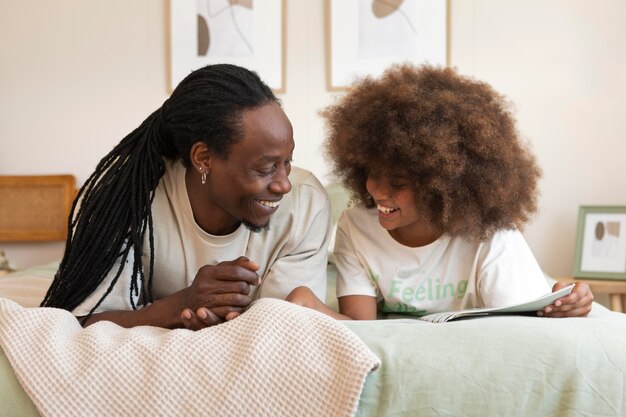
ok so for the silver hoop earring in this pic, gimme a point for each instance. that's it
(203, 178)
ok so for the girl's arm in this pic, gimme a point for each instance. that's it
(358, 307)
(353, 307)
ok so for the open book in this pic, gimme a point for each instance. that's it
(523, 308)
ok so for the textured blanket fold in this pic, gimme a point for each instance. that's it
(276, 359)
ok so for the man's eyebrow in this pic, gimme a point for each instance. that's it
(271, 158)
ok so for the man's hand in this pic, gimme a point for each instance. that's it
(219, 292)
(576, 304)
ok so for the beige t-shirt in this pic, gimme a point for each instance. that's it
(448, 274)
(293, 252)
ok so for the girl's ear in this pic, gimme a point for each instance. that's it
(200, 157)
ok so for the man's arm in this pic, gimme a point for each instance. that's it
(217, 291)
(165, 312)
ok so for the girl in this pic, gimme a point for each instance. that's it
(444, 185)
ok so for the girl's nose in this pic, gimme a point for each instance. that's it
(376, 188)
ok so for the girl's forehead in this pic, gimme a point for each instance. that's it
(382, 171)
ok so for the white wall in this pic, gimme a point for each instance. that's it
(562, 63)
(76, 76)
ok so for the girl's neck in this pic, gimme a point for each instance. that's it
(415, 237)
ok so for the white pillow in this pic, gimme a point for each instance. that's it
(339, 198)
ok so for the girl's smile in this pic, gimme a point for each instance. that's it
(387, 213)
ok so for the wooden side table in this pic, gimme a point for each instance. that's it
(615, 289)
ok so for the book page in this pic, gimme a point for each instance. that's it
(526, 307)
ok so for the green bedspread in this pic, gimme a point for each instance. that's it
(497, 366)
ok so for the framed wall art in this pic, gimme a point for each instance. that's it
(247, 33)
(365, 37)
(601, 243)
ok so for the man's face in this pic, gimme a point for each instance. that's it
(248, 185)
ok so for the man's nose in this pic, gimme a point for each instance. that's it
(280, 182)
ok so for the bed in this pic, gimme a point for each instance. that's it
(495, 366)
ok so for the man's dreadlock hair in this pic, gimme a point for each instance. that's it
(112, 211)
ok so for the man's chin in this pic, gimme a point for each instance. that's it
(255, 228)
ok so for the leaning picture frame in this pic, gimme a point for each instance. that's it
(244, 33)
(600, 251)
(365, 37)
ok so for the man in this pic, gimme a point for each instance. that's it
(202, 198)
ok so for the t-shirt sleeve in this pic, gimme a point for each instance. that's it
(304, 259)
(508, 271)
(352, 275)
(119, 295)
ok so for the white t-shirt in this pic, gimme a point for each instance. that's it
(291, 253)
(448, 274)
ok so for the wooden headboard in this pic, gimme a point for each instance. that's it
(35, 207)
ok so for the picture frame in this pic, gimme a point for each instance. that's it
(600, 251)
(365, 37)
(240, 32)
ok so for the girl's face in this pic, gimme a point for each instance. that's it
(398, 211)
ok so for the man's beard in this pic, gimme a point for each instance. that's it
(254, 228)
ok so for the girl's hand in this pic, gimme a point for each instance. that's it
(576, 304)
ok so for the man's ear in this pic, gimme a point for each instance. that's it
(200, 157)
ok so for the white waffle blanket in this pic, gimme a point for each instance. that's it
(277, 359)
